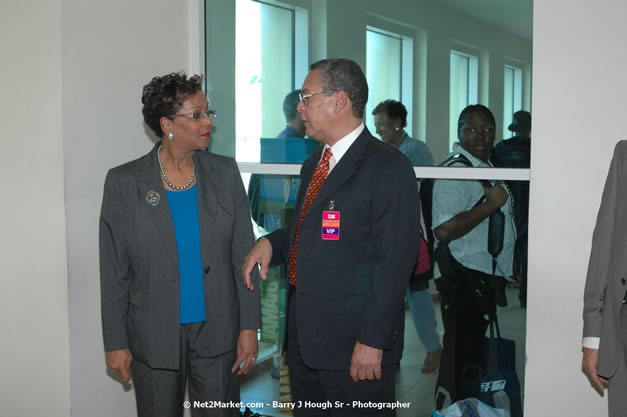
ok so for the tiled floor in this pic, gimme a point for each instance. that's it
(259, 387)
(411, 385)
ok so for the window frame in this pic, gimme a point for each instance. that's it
(517, 93)
(472, 89)
(406, 87)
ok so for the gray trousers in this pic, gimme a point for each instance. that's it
(617, 400)
(160, 392)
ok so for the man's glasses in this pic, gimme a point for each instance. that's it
(197, 115)
(305, 97)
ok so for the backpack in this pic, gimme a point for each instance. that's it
(420, 276)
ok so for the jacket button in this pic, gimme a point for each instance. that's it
(207, 269)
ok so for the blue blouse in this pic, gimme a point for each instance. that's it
(184, 212)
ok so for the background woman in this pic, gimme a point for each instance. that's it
(390, 118)
(461, 211)
(174, 230)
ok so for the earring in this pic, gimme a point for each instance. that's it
(398, 128)
(171, 136)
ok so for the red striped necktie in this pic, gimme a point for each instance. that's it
(319, 175)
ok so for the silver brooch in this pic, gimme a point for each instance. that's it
(153, 198)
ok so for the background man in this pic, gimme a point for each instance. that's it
(347, 274)
(516, 153)
(295, 127)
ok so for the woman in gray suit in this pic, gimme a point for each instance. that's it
(174, 230)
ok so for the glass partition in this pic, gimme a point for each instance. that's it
(433, 56)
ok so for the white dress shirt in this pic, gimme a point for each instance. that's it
(341, 146)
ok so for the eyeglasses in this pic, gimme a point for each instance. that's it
(197, 115)
(305, 97)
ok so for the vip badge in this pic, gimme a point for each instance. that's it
(331, 225)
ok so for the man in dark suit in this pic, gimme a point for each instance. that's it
(516, 153)
(351, 244)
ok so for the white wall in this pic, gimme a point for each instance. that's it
(579, 114)
(34, 348)
(110, 50)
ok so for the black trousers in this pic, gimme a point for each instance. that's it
(332, 393)
(465, 323)
(160, 392)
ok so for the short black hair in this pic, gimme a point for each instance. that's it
(474, 108)
(290, 102)
(339, 74)
(164, 95)
(394, 109)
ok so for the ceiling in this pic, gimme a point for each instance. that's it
(514, 16)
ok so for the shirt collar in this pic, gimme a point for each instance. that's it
(476, 162)
(341, 146)
(403, 137)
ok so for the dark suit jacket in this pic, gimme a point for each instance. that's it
(352, 289)
(139, 272)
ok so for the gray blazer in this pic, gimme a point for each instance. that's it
(606, 282)
(139, 272)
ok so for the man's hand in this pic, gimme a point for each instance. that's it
(120, 361)
(260, 254)
(247, 349)
(366, 363)
(589, 364)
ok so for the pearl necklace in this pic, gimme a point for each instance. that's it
(167, 181)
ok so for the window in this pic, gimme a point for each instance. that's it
(512, 95)
(464, 77)
(389, 58)
(265, 64)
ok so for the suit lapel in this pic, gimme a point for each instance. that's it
(345, 169)
(159, 214)
(208, 184)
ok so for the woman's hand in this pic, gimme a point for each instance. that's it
(120, 361)
(464, 222)
(247, 350)
(260, 254)
(495, 196)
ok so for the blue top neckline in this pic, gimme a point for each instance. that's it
(182, 191)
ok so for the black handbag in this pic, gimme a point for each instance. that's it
(499, 370)
(458, 282)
